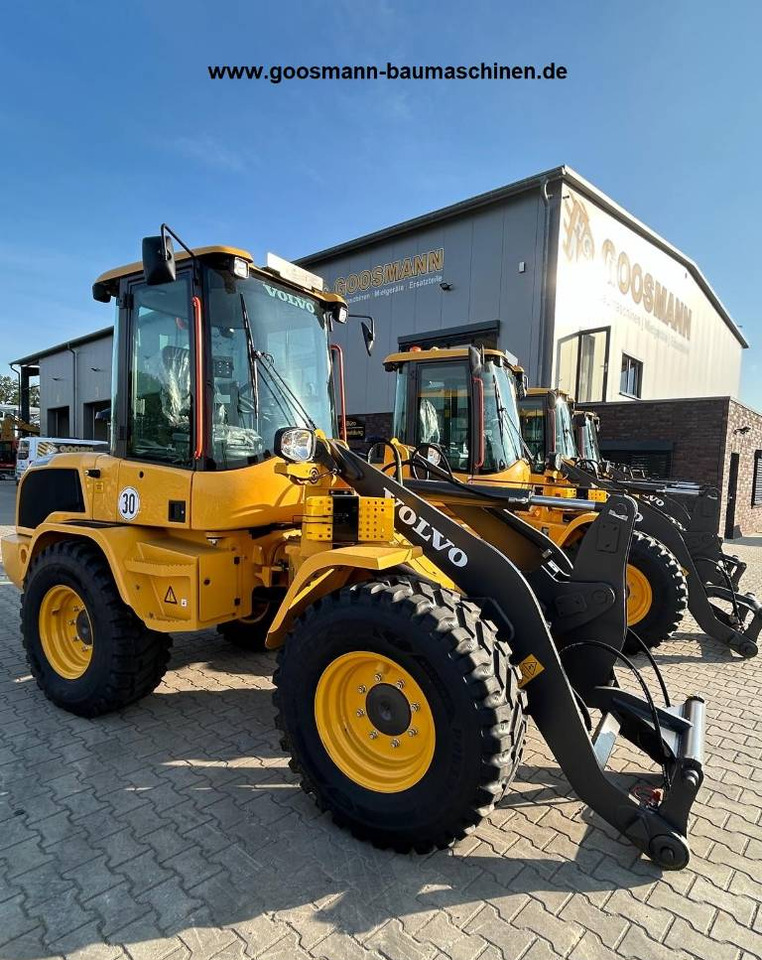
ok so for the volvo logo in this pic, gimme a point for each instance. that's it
(428, 533)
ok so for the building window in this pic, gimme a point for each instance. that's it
(756, 490)
(631, 379)
(582, 364)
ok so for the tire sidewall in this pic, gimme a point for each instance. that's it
(51, 571)
(455, 771)
(653, 562)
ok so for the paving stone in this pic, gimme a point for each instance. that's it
(207, 942)
(116, 908)
(62, 913)
(177, 826)
(727, 929)
(170, 902)
(511, 941)
(608, 928)
(13, 920)
(457, 945)
(683, 937)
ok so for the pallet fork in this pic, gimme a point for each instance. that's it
(565, 632)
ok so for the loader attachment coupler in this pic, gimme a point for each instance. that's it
(565, 633)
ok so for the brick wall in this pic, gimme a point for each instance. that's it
(748, 519)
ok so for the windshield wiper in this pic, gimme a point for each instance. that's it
(253, 366)
(276, 378)
(502, 410)
(285, 387)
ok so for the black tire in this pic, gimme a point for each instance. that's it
(128, 660)
(250, 634)
(471, 688)
(669, 591)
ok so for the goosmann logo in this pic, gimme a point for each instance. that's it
(427, 532)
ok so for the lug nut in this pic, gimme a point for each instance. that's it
(412, 732)
(373, 735)
(400, 684)
(360, 713)
(415, 707)
(395, 742)
(378, 678)
(361, 688)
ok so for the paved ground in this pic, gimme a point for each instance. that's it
(174, 829)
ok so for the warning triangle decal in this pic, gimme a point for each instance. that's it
(169, 596)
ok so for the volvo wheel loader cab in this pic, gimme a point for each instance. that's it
(409, 656)
(184, 523)
(465, 404)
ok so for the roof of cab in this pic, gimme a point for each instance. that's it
(137, 267)
(446, 353)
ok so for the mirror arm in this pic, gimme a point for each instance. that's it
(166, 229)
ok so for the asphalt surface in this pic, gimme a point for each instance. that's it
(176, 829)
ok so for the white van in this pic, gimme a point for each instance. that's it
(32, 449)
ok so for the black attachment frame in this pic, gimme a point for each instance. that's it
(570, 607)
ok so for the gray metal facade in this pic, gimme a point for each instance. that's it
(494, 266)
(74, 384)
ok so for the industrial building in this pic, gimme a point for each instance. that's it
(586, 296)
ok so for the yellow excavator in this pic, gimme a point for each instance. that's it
(411, 647)
(462, 406)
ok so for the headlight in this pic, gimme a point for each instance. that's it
(240, 268)
(295, 444)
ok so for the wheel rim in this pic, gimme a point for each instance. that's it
(639, 595)
(374, 721)
(66, 633)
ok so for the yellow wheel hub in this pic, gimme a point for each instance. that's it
(374, 722)
(639, 595)
(66, 633)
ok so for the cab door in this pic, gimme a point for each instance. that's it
(155, 431)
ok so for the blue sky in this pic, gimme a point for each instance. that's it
(110, 125)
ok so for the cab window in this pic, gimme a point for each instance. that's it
(444, 412)
(159, 412)
(532, 416)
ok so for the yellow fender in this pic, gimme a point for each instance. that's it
(19, 549)
(330, 570)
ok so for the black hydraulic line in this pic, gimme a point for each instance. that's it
(643, 686)
(644, 649)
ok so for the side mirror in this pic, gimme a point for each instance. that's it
(522, 385)
(369, 335)
(158, 260)
(104, 415)
(475, 361)
(368, 330)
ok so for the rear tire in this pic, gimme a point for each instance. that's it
(126, 660)
(657, 593)
(250, 634)
(400, 637)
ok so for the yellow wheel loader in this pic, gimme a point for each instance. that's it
(411, 646)
(460, 406)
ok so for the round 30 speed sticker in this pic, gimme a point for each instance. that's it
(129, 503)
